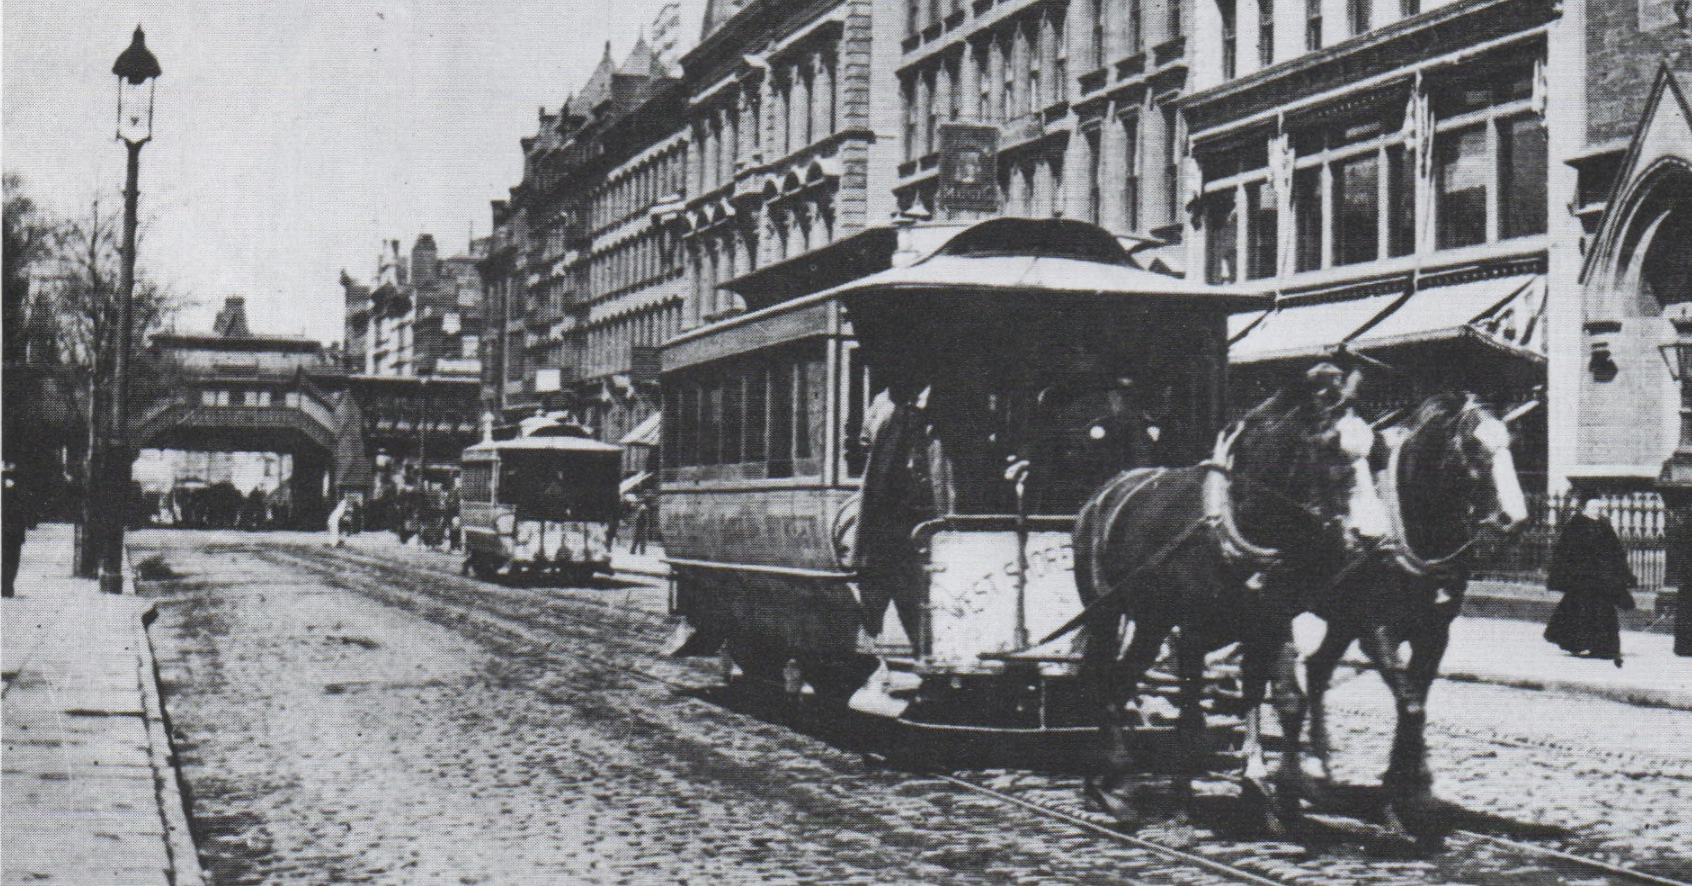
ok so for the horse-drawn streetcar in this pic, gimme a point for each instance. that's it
(540, 498)
(882, 478)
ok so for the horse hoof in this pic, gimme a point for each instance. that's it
(1110, 802)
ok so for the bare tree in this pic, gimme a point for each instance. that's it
(82, 282)
(31, 237)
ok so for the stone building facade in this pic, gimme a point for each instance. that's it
(1084, 94)
(791, 138)
(422, 318)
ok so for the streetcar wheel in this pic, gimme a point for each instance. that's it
(835, 679)
(758, 662)
(483, 567)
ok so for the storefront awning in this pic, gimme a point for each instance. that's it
(1306, 331)
(633, 482)
(1505, 312)
(1502, 312)
(648, 433)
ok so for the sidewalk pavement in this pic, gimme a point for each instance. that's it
(1498, 640)
(89, 784)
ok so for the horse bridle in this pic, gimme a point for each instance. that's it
(1219, 508)
(1402, 554)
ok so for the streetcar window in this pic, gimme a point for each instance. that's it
(732, 386)
(803, 377)
(857, 398)
(764, 414)
(561, 486)
(781, 421)
(757, 382)
(477, 481)
(711, 424)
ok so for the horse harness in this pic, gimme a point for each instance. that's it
(1218, 518)
(1407, 559)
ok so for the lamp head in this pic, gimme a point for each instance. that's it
(136, 69)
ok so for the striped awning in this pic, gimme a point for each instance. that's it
(650, 432)
(1505, 313)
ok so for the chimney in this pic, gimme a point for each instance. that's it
(231, 322)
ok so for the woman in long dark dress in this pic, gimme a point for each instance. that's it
(1589, 568)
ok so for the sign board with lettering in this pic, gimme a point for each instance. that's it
(969, 169)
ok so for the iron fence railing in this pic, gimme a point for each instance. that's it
(1640, 521)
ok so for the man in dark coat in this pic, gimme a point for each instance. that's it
(896, 498)
(1589, 568)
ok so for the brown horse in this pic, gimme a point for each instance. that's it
(1449, 480)
(1225, 551)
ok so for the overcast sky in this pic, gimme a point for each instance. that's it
(291, 138)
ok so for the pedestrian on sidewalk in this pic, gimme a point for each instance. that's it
(1589, 568)
(642, 525)
(336, 518)
(19, 517)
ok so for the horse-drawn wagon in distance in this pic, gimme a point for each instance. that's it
(540, 498)
(882, 478)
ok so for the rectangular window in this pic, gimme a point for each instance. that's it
(1461, 176)
(931, 116)
(813, 412)
(1401, 202)
(1175, 23)
(781, 419)
(711, 425)
(1265, 33)
(1136, 27)
(857, 396)
(1407, 8)
(1312, 25)
(1131, 171)
(687, 434)
(983, 83)
(731, 420)
(1099, 59)
(801, 410)
(1357, 193)
(1221, 239)
(1307, 216)
(911, 115)
(1262, 231)
(756, 445)
(1034, 50)
(1230, 38)
(208, 398)
(1521, 177)
(1357, 13)
(1007, 98)
(1094, 192)
(1172, 166)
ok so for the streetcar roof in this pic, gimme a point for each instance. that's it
(1044, 256)
(542, 444)
(1020, 255)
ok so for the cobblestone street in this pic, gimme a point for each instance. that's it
(341, 718)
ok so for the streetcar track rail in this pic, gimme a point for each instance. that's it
(1678, 767)
(1089, 822)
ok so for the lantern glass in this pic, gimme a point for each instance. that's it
(1678, 356)
(135, 110)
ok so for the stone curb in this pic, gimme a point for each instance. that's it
(1632, 695)
(184, 857)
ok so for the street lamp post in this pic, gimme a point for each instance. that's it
(1674, 484)
(136, 69)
